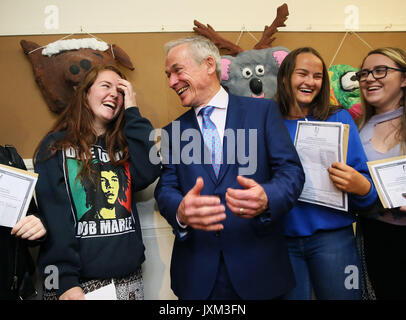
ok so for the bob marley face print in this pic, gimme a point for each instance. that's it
(102, 204)
(109, 185)
(107, 193)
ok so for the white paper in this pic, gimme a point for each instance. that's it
(390, 179)
(16, 189)
(319, 144)
(104, 293)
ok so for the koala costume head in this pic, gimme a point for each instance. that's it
(253, 73)
(250, 73)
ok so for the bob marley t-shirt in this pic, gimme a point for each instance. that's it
(102, 205)
(94, 231)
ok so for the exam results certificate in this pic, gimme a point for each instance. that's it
(389, 176)
(319, 144)
(16, 190)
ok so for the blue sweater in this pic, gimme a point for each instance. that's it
(82, 242)
(306, 218)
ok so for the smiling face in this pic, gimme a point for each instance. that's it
(194, 83)
(307, 78)
(104, 99)
(384, 94)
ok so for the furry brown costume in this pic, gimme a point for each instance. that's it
(58, 72)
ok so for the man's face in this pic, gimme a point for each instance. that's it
(110, 185)
(188, 79)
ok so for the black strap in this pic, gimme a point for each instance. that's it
(5, 157)
(10, 157)
(15, 158)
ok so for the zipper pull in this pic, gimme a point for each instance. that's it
(15, 281)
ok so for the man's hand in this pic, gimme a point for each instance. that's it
(201, 212)
(248, 202)
(75, 293)
(347, 179)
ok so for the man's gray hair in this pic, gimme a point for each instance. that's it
(200, 48)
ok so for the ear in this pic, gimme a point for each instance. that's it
(225, 68)
(121, 56)
(403, 84)
(211, 65)
(279, 56)
(28, 46)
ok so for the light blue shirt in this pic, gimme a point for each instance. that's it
(367, 133)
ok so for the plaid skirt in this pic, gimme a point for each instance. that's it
(130, 287)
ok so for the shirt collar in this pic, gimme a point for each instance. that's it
(378, 118)
(220, 100)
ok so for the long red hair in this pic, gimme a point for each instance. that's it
(77, 122)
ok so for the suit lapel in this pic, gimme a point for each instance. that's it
(234, 120)
(191, 123)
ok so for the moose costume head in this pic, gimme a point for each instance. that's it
(61, 65)
(253, 72)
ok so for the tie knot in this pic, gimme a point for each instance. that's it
(206, 111)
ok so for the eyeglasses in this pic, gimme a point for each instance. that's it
(377, 73)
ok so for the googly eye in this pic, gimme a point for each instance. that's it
(260, 70)
(349, 81)
(246, 73)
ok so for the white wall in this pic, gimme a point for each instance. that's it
(158, 240)
(24, 17)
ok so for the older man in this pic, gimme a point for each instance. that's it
(226, 188)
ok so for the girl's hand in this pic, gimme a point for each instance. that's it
(30, 227)
(75, 293)
(347, 179)
(128, 92)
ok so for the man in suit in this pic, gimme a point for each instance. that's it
(226, 209)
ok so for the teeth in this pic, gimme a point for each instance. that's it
(373, 88)
(180, 91)
(110, 105)
(306, 90)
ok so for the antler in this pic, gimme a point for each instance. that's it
(212, 35)
(281, 16)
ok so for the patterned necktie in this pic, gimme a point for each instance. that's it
(211, 138)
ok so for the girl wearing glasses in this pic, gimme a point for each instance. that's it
(320, 239)
(383, 135)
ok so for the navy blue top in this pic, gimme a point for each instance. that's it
(82, 242)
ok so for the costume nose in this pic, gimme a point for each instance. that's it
(85, 64)
(74, 69)
(256, 86)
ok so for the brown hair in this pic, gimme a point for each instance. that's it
(77, 123)
(320, 107)
(398, 56)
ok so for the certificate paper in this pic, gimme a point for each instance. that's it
(16, 189)
(319, 144)
(389, 176)
(107, 292)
